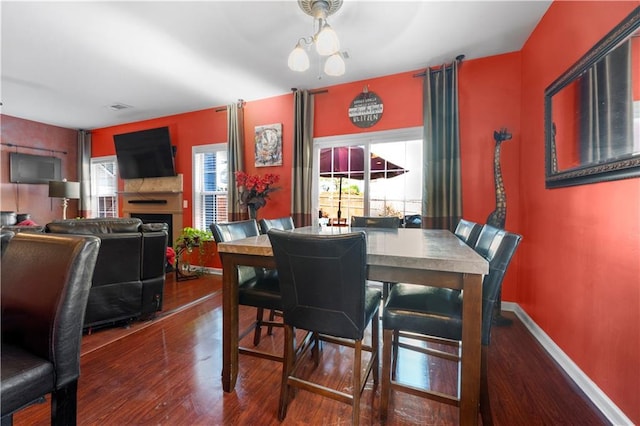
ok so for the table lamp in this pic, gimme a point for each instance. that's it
(65, 190)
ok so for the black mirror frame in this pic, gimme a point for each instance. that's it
(613, 169)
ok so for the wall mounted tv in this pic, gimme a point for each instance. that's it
(143, 154)
(27, 168)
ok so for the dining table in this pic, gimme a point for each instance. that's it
(431, 257)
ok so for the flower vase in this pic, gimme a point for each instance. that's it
(253, 212)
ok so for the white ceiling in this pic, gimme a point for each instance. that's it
(66, 63)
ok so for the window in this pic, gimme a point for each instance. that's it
(104, 186)
(209, 185)
(388, 184)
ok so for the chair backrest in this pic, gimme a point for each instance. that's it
(282, 223)
(375, 222)
(6, 237)
(485, 239)
(499, 254)
(229, 231)
(45, 283)
(468, 232)
(322, 281)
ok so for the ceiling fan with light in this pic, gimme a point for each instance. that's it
(325, 38)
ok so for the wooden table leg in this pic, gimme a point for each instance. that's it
(471, 350)
(229, 322)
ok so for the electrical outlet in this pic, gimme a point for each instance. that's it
(185, 204)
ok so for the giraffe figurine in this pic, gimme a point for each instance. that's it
(499, 215)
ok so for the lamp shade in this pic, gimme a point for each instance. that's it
(64, 189)
(327, 42)
(334, 65)
(298, 59)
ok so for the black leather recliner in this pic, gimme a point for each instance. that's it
(128, 281)
(6, 237)
(45, 287)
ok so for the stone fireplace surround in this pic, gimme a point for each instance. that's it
(160, 196)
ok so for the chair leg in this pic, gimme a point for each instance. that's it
(258, 330)
(287, 367)
(272, 316)
(395, 341)
(357, 364)
(485, 400)
(375, 346)
(64, 405)
(387, 337)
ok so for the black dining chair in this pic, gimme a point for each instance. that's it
(386, 222)
(324, 291)
(375, 222)
(45, 286)
(282, 223)
(258, 287)
(468, 231)
(425, 312)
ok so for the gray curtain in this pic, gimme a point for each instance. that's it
(235, 138)
(442, 191)
(606, 102)
(84, 174)
(302, 172)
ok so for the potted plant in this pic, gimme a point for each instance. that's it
(189, 239)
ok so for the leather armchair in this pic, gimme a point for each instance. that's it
(10, 221)
(128, 281)
(41, 335)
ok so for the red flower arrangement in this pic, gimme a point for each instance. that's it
(255, 189)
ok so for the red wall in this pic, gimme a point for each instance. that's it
(579, 278)
(34, 198)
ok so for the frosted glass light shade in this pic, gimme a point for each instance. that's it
(327, 42)
(298, 59)
(335, 65)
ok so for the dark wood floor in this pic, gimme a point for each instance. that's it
(167, 372)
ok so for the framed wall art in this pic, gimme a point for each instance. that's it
(269, 145)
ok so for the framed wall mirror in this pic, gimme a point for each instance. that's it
(592, 112)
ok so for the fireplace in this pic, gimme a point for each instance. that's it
(155, 200)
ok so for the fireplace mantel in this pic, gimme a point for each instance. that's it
(154, 196)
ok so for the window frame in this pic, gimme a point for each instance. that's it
(93, 196)
(195, 196)
(354, 139)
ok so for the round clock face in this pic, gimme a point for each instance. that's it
(366, 109)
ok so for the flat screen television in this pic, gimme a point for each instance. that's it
(27, 168)
(146, 153)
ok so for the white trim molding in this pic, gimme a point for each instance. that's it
(608, 408)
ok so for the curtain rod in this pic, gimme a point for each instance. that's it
(312, 92)
(459, 58)
(34, 147)
(240, 105)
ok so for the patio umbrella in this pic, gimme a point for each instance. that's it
(348, 162)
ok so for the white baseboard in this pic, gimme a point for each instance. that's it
(593, 392)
